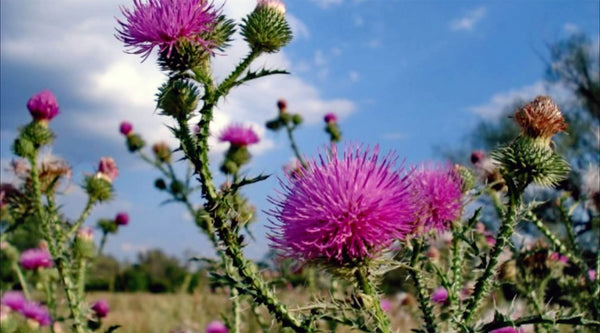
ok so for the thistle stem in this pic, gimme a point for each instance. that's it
(21, 280)
(84, 215)
(506, 230)
(102, 242)
(422, 294)
(290, 133)
(383, 323)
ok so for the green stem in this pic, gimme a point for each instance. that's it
(81, 278)
(506, 230)
(235, 305)
(229, 82)
(422, 294)
(290, 133)
(383, 323)
(539, 319)
(84, 215)
(21, 280)
(102, 242)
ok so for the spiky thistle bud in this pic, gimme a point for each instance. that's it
(266, 29)
(177, 98)
(84, 243)
(162, 152)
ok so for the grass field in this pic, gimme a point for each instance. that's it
(179, 313)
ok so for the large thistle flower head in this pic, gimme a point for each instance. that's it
(164, 23)
(342, 210)
(437, 191)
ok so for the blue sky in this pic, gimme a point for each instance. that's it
(408, 75)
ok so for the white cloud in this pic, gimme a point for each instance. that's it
(499, 101)
(354, 76)
(327, 3)
(570, 28)
(77, 38)
(468, 21)
(374, 43)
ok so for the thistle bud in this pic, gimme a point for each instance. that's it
(162, 152)
(84, 243)
(122, 219)
(178, 98)
(107, 169)
(160, 184)
(98, 188)
(296, 119)
(440, 295)
(100, 308)
(107, 226)
(32, 137)
(467, 179)
(330, 118)
(135, 142)
(266, 29)
(282, 105)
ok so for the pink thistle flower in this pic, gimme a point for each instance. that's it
(43, 106)
(238, 135)
(592, 274)
(440, 295)
(274, 4)
(330, 118)
(555, 256)
(36, 312)
(342, 209)
(126, 128)
(282, 105)
(508, 329)
(162, 23)
(85, 234)
(15, 300)
(386, 305)
(107, 169)
(122, 219)
(216, 327)
(101, 308)
(35, 258)
(437, 193)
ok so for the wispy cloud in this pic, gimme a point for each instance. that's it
(468, 22)
(327, 3)
(496, 105)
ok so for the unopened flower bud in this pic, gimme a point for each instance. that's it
(162, 152)
(135, 142)
(296, 119)
(43, 106)
(98, 188)
(178, 98)
(160, 184)
(101, 308)
(266, 29)
(84, 243)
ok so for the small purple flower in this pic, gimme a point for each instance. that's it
(43, 106)
(239, 135)
(555, 256)
(101, 308)
(508, 329)
(342, 209)
(35, 258)
(386, 305)
(437, 193)
(37, 312)
(592, 274)
(122, 219)
(125, 128)
(216, 327)
(15, 300)
(107, 169)
(440, 295)
(330, 118)
(162, 23)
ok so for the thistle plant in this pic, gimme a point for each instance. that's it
(351, 212)
(57, 265)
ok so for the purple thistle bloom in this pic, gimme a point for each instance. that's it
(238, 135)
(125, 128)
(440, 295)
(330, 118)
(342, 209)
(43, 106)
(162, 23)
(35, 258)
(15, 300)
(437, 193)
(216, 327)
(108, 169)
(101, 308)
(122, 219)
(508, 329)
(37, 312)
